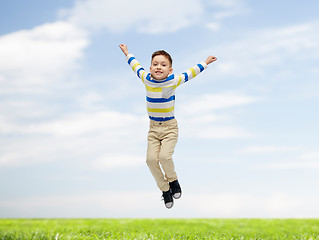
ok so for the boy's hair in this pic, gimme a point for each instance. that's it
(165, 54)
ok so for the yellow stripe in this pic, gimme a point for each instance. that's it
(135, 65)
(148, 88)
(143, 76)
(159, 110)
(179, 81)
(193, 72)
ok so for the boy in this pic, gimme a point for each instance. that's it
(160, 86)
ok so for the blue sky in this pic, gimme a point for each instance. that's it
(73, 120)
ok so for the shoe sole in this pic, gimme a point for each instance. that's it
(169, 205)
(177, 195)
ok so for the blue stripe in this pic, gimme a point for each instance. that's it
(161, 119)
(170, 77)
(138, 71)
(160, 100)
(130, 60)
(200, 67)
(154, 81)
(186, 77)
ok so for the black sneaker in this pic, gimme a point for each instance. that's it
(168, 199)
(176, 189)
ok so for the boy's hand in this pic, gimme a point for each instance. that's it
(210, 59)
(124, 49)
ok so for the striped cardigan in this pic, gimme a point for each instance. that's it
(160, 94)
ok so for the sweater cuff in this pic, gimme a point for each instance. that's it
(204, 65)
(129, 56)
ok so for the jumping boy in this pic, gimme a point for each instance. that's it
(160, 86)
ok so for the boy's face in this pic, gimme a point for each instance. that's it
(160, 67)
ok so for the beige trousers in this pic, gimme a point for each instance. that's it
(162, 139)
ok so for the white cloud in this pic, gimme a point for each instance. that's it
(269, 48)
(29, 151)
(224, 14)
(309, 161)
(77, 136)
(210, 102)
(214, 26)
(100, 152)
(276, 205)
(90, 100)
(203, 119)
(292, 164)
(310, 156)
(147, 204)
(227, 3)
(40, 55)
(149, 17)
(269, 149)
(77, 124)
(119, 160)
(227, 8)
(207, 118)
(215, 132)
(142, 15)
(107, 204)
(222, 10)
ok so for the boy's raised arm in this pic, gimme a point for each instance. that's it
(134, 64)
(194, 71)
(124, 49)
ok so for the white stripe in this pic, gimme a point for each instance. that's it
(161, 105)
(190, 75)
(155, 114)
(154, 94)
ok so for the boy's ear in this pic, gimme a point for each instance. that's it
(170, 70)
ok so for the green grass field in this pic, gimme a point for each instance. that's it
(159, 229)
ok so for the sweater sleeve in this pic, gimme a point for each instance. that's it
(191, 73)
(136, 67)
